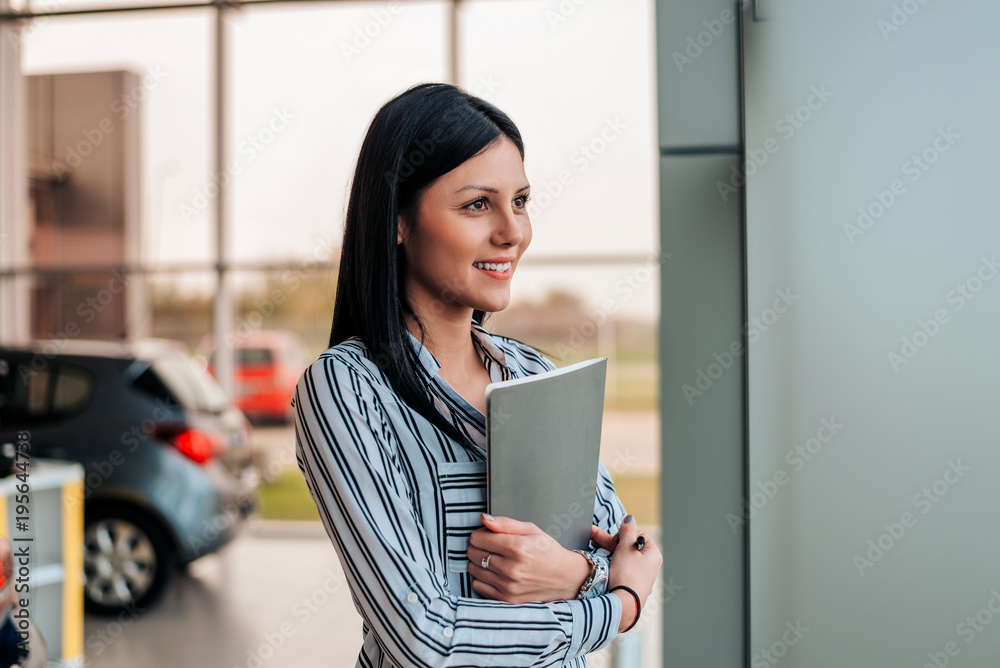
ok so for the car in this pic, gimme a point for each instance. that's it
(168, 473)
(268, 365)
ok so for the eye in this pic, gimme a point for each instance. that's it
(520, 202)
(471, 206)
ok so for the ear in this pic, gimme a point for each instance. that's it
(401, 229)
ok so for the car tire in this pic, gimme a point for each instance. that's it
(127, 560)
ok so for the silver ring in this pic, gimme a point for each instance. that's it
(486, 561)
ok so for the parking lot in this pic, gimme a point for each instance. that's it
(276, 595)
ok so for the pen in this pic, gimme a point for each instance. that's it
(639, 542)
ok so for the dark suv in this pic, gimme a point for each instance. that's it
(168, 475)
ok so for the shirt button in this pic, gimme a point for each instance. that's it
(448, 632)
(411, 597)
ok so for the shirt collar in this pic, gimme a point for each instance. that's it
(431, 366)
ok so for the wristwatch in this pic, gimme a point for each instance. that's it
(597, 582)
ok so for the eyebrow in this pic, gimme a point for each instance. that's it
(488, 189)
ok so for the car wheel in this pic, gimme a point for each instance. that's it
(126, 561)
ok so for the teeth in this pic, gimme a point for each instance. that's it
(492, 266)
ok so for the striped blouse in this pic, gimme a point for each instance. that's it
(399, 498)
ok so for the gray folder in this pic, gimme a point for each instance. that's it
(544, 442)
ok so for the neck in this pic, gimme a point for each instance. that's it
(448, 337)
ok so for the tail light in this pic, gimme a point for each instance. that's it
(198, 446)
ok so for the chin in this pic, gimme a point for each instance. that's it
(493, 307)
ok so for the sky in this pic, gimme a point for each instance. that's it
(577, 79)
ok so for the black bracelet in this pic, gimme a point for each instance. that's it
(638, 608)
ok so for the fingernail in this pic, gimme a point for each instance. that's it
(488, 517)
(628, 520)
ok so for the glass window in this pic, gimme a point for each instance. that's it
(255, 356)
(29, 395)
(149, 383)
(36, 391)
(193, 388)
(72, 392)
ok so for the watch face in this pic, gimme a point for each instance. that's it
(599, 584)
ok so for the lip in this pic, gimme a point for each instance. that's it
(499, 259)
(505, 276)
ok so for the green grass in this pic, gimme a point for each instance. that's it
(633, 394)
(287, 497)
(640, 494)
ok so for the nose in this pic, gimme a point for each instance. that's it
(508, 230)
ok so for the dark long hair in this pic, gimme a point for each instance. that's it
(416, 137)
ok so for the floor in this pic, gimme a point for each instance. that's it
(274, 597)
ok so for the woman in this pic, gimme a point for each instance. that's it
(390, 425)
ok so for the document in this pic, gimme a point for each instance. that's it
(543, 447)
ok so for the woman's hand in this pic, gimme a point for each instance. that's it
(636, 569)
(526, 564)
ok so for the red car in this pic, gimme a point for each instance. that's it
(268, 364)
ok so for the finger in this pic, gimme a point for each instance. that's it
(650, 546)
(502, 524)
(497, 562)
(602, 538)
(486, 540)
(488, 576)
(486, 590)
(628, 531)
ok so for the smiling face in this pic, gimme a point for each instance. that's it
(472, 228)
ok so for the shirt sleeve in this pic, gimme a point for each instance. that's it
(608, 509)
(344, 449)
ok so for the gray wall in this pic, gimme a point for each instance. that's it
(701, 295)
(894, 111)
(865, 455)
